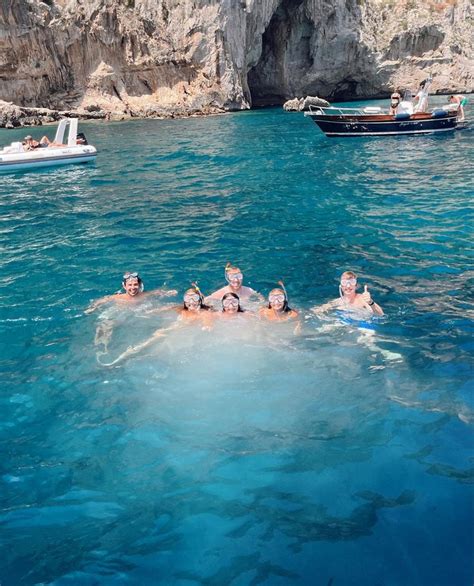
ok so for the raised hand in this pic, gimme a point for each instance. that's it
(366, 295)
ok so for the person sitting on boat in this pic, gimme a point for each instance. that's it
(395, 99)
(460, 101)
(133, 287)
(349, 299)
(234, 276)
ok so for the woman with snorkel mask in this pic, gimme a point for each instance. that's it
(278, 308)
(234, 278)
(231, 304)
(193, 305)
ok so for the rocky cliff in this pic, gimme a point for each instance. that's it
(168, 57)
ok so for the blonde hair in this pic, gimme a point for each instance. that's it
(348, 275)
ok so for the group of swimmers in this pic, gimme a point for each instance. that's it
(234, 298)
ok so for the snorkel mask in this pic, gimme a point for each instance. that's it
(285, 295)
(235, 275)
(231, 300)
(195, 294)
(345, 282)
(128, 275)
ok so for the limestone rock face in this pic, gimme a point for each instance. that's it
(178, 57)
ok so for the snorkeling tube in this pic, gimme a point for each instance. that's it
(198, 291)
(283, 289)
(227, 267)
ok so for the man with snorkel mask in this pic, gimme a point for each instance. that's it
(234, 278)
(349, 299)
(133, 287)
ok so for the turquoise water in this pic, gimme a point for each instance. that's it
(245, 454)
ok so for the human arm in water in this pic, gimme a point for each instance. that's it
(163, 292)
(131, 350)
(95, 304)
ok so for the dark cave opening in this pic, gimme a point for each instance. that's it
(286, 55)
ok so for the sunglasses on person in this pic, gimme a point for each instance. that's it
(348, 282)
(230, 303)
(277, 298)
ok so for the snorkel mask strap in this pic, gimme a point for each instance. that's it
(127, 276)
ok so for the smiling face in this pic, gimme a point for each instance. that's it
(348, 284)
(192, 301)
(230, 305)
(132, 286)
(276, 300)
(234, 278)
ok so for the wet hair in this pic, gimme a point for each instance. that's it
(286, 307)
(348, 275)
(195, 290)
(227, 295)
(139, 279)
(230, 267)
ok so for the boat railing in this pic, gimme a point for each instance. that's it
(337, 111)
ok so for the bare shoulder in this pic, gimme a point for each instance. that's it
(219, 293)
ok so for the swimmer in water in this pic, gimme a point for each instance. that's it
(234, 278)
(349, 299)
(133, 287)
(231, 304)
(193, 308)
(278, 308)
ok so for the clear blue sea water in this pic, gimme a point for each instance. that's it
(246, 454)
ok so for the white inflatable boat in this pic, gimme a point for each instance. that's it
(16, 157)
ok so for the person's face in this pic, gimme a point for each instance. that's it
(132, 286)
(235, 279)
(192, 301)
(276, 299)
(230, 305)
(348, 285)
